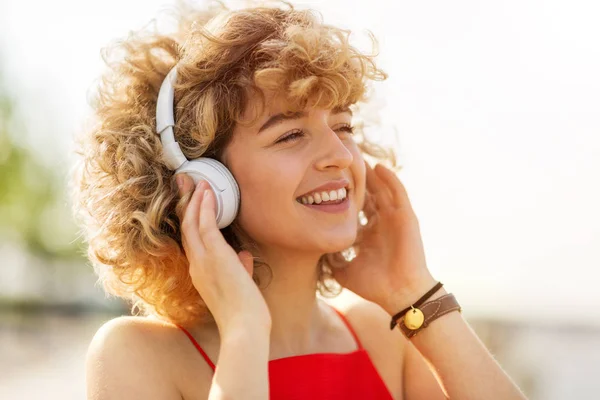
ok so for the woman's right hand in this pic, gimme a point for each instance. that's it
(222, 277)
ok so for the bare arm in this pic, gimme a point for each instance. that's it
(242, 371)
(463, 366)
(392, 271)
(224, 280)
(419, 382)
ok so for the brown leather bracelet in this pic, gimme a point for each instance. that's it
(422, 300)
(417, 319)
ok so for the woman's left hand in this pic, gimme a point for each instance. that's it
(390, 267)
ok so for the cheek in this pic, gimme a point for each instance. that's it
(267, 184)
(267, 195)
(257, 190)
(257, 208)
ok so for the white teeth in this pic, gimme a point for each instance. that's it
(318, 199)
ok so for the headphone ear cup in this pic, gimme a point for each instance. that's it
(221, 181)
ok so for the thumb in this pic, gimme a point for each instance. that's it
(247, 261)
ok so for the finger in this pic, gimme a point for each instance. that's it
(247, 261)
(208, 229)
(189, 225)
(394, 185)
(370, 205)
(377, 187)
(185, 189)
(193, 208)
(185, 184)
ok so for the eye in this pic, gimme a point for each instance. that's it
(291, 136)
(296, 134)
(346, 128)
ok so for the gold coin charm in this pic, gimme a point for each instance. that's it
(413, 319)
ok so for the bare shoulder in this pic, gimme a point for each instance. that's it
(134, 357)
(385, 347)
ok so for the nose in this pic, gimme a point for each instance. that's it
(333, 152)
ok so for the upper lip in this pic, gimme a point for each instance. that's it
(331, 185)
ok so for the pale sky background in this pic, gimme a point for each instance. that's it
(497, 107)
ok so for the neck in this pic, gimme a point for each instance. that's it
(290, 293)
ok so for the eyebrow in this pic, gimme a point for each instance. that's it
(277, 118)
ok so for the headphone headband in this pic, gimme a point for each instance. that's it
(165, 121)
(216, 174)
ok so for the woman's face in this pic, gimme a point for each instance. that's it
(277, 161)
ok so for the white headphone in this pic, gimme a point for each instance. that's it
(221, 180)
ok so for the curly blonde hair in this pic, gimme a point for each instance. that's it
(125, 198)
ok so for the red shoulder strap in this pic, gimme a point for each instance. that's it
(210, 363)
(348, 325)
(197, 346)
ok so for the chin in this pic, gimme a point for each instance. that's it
(334, 243)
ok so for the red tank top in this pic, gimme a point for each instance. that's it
(332, 376)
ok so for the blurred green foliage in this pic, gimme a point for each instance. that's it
(33, 205)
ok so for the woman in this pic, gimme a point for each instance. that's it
(270, 92)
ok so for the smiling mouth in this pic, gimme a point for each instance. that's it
(338, 206)
(324, 203)
(326, 197)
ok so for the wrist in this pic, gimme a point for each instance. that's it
(254, 328)
(245, 334)
(407, 296)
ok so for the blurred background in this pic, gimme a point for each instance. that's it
(495, 109)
